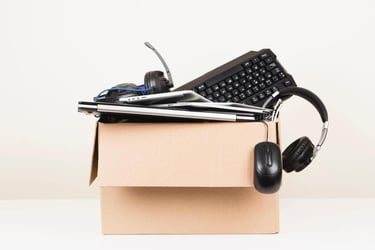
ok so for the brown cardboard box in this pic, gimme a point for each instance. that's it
(182, 178)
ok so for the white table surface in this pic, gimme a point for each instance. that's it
(75, 224)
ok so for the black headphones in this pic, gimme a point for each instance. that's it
(297, 156)
(154, 82)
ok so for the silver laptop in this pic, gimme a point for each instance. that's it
(168, 97)
(97, 108)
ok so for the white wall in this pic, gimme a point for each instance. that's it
(55, 53)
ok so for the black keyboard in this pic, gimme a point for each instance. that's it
(248, 79)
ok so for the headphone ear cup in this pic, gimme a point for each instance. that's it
(298, 155)
(156, 81)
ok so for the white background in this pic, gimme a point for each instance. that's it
(55, 53)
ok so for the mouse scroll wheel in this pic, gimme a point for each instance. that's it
(268, 157)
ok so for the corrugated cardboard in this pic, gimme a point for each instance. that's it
(182, 178)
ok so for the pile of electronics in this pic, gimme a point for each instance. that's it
(251, 87)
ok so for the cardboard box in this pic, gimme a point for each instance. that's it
(182, 178)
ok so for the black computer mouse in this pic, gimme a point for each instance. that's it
(267, 167)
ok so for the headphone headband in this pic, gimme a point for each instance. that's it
(311, 98)
(303, 93)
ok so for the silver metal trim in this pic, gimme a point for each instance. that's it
(323, 137)
(277, 109)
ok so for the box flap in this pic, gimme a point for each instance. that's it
(201, 154)
(94, 158)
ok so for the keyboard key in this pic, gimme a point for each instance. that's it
(262, 71)
(243, 81)
(228, 95)
(228, 80)
(242, 96)
(269, 82)
(255, 89)
(210, 97)
(235, 92)
(262, 85)
(247, 64)
(236, 84)
(261, 96)
(255, 67)
(222, 84)
(229, 87)
(254, 99)
(248, 85)
(275, 78)
(242, 74)
(268, 60)
(255, 60)
(256, 74)
(221, 99)
(202, 93)
(274, 89)
(215, 87)
(209, 91)
(249, 70)
(263, 55)
(235, 99)
(281, 75)
(222, 91)
(261, 78)
(254, 81)
(241, 88)
(268, 92)
(235, 77)
(287, 83)
(201, 87)
(248, 92)
(268, 75)
(249, 77)
(276, 71)
(271, 66)
(216, 94)
(261, 64)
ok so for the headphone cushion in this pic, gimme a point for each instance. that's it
(156, 81)
(298, 155)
